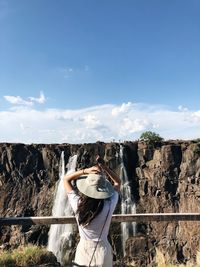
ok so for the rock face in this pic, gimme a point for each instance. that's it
(164, 177)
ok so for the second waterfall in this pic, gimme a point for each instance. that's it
(127, 203)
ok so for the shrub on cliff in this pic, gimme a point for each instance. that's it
(196, 149)
(151, 137)
(27, 256)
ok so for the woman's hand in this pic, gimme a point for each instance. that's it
(110, 173)
(99, 160)
(117, 186)
(93, 169)
(75, 175)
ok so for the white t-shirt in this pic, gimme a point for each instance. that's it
(93, 230)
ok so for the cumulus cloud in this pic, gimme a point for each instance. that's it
(130, 125)
(125, 107)
(193, 117)
(91, 121)
(99, 123)
(18, 100)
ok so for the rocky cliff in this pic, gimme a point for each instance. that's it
(164, 177)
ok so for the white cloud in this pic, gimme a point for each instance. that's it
(68, 72)
(97, 123)
(18, 100)
(182, 108)
(121, 109)
(41, 99)
(91, 121)
(130, 126)
(193, 117)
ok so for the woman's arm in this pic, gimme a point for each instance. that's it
(75, 175)
(110, 173)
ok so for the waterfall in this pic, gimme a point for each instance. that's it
(61, 235)
(127, 203)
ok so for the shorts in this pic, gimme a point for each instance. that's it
(102, 257)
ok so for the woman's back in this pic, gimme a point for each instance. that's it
(98, 228)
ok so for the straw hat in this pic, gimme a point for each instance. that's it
(95, 186)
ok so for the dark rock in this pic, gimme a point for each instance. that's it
(164, 177)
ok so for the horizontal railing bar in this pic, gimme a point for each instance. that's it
(115, 218)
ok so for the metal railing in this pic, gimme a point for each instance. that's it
(146, 217)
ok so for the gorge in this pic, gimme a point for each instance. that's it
(163, 177)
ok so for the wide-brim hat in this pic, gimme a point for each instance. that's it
(95, 186)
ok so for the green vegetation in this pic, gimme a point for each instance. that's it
(26, 256)
(32, 256)
(196, 149)
(151, 137)
(197, 140)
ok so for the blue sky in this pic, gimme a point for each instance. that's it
(115, 69)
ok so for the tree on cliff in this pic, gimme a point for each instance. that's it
(149, 136)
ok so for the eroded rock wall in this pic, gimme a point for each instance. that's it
(169, 176)
(164, 178)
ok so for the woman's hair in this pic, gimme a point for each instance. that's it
(88, 209)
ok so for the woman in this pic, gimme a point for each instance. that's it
(93, 205)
